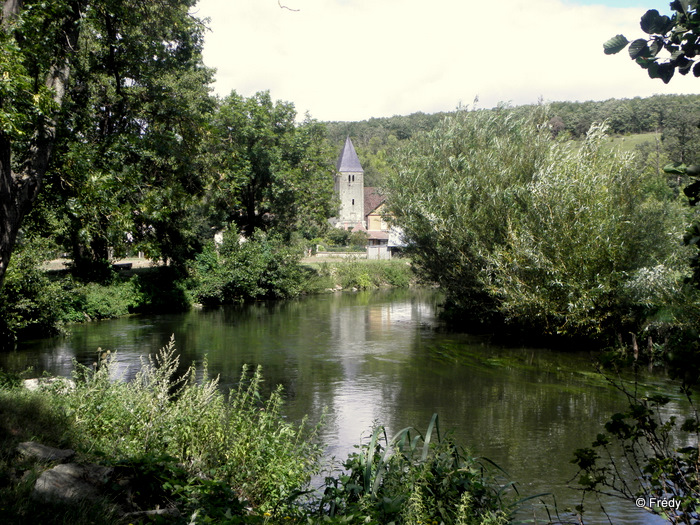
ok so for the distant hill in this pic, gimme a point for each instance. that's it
(672, 118)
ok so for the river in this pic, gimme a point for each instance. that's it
(383, 357)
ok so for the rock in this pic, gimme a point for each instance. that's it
(170, 512)
(71, 482)
(43, 453)
(45, 382)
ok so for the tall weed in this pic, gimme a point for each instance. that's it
(415, 478)
(239, 440)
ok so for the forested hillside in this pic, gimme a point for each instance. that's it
(673, 117)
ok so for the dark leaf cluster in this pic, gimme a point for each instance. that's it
(678, 36)
(646, 454)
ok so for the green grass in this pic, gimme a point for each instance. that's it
(628, 143)
(359, 274)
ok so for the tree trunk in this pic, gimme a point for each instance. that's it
(19, 190)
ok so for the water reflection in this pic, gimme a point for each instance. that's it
(381, 357)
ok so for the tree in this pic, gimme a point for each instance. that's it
(93, 95)
(517, 227)
(37, 45)
(270, 173)
(127, 166)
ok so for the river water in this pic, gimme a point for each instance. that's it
(383, 357)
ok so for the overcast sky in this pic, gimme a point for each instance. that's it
(357, 59)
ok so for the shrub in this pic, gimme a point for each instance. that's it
(360, 274)
(239, 441)
(96, 301)
(414, 478)
(261, 267)
(160, 289)
(29, 299)
(397, 274)
(231, 458)
(643, 456)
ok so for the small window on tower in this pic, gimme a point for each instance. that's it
(348, 178)
(353, 202)
(353, 178)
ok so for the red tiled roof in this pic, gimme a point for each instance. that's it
(373, 199)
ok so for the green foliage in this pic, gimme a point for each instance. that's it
(362, 274)
(592, 252)
(198, 441)
(35, 302)
(261, 267)
(338, 239)
(138, 99)
(180, 441)
(414, 478)
(644, 455)
(29, 299)
(22, 104)
(359, 274)
(692, 192)
(519, 227)
(270, 173)
(161, 289)
(677, 36)
(123, 126)
(93, 301)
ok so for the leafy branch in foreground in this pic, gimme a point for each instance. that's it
(646, 453)
(678, 35)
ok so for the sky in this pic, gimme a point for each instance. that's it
(349, 60)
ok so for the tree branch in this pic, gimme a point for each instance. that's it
(279, 3)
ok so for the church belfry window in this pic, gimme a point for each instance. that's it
(348, 178)
(353, 202)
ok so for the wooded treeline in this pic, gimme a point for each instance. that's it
(673, 117)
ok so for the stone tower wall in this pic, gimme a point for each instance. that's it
(349, 187)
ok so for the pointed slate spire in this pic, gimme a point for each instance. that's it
(349, 161)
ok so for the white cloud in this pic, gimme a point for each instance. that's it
(356, 59)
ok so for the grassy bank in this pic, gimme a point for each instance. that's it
(358, 274)
(182, 444)
(36, 301)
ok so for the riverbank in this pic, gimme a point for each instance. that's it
(179, 445)
(41, 301)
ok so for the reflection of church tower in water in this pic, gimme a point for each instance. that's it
(349, 186)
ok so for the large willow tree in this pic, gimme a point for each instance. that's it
(555, 237)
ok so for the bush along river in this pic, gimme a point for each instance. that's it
(383, 357)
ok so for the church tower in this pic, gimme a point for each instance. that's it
(349, 186)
